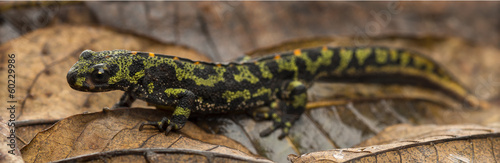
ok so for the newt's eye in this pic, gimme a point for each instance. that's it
(100, 76)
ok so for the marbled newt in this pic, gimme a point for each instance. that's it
(279, 81)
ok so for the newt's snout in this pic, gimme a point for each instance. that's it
(71, 79)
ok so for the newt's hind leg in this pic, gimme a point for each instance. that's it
(292, 104)
(265, 114)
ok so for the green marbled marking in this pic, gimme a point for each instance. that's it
(188, 71)
(174, 92)
(79, 81)
(293, 84)
(345, 58)
(123, 72)
(230, 95)
(299, 100)
(420, 62)
(381, 56)
(264, 70)
(394, 55)
(362, 54)
(324, 59)
(262, 91)
(288, 65)
(404, 59)
(245, 74)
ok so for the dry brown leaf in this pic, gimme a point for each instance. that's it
(115, 134)
(430, 143)
(26, 130)
(405, 131)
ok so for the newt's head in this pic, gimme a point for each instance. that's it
(97, 71)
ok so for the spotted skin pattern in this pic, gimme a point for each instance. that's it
(279, 80)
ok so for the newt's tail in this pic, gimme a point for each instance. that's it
(382, 65)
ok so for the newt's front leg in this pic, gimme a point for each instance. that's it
(185, 100)
(125, 101)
